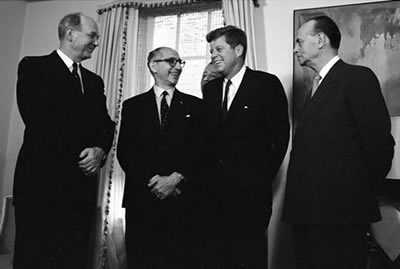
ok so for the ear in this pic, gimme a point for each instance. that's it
(239, 50)
(153, 67)
(70, 34)
(322, 40)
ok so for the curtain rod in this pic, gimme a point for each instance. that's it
(153, 4)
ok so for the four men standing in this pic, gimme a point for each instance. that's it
(189, 161)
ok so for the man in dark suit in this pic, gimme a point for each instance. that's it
(68, 133)
(158, 148)
(247, 137)
(342, 148)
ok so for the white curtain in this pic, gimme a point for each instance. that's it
(115, 64)
(240, 13)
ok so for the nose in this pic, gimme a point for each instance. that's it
(296, 49)
(96, 41)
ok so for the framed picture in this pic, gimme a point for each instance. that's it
(370, 37)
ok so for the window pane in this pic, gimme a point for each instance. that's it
(189, 81)
(165, 31)
(193, 30)
(217, 19)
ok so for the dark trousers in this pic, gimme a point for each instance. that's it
(234, 230)
(330, 246)
(160, 236)
(52, 238)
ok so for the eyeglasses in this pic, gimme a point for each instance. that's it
(172, 61)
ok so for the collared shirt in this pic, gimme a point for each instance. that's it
(68, 62)
(158, 94)
(327, 67)
(233, 88)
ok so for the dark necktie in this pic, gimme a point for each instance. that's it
(76, 76)
(225, 102)
(164, 110)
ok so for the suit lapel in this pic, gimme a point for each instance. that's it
(151, 111)
(240, 95)
(176, 109)
(215, 101)
(60, 68)
(316, 102)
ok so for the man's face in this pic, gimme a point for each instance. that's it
(165, 73)
(85, 41)
(306, 49)
(223, 56)
(209, 73)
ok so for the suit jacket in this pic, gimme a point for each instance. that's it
(60, 122)
(144, 150)
(245, 151)
(342, 148)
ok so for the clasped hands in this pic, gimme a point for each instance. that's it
(164, 186)
(90, 160)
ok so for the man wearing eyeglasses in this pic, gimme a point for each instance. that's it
(158, 148)
(68, 133)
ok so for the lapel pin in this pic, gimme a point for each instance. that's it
(245, 107)
(188, 116)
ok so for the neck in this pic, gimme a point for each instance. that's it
(164, 86)
(69, 53)
(235, 70)
(323, 60)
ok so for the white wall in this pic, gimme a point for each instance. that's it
(12, 16)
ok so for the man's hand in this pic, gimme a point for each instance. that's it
(163, 186)
(90, 160)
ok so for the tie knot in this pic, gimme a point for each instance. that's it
(165, 93)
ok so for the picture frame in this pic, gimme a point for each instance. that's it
(370, 37)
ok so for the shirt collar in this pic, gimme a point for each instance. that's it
(328, 67)
(68, 62)
(158, 91)
(237, 79)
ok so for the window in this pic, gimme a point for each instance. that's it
(186, 32)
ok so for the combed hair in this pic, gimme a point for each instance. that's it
(327, 26)
(72, 20)
(233, 36)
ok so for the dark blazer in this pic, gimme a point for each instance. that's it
(60, 122)
(342, 147)
(144, 150)
(245, 152)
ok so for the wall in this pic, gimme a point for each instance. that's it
(12, 16)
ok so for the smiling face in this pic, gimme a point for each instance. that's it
(227, 60)
(84, 40)
(209, 73)
(307, 48)
(165, 75)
